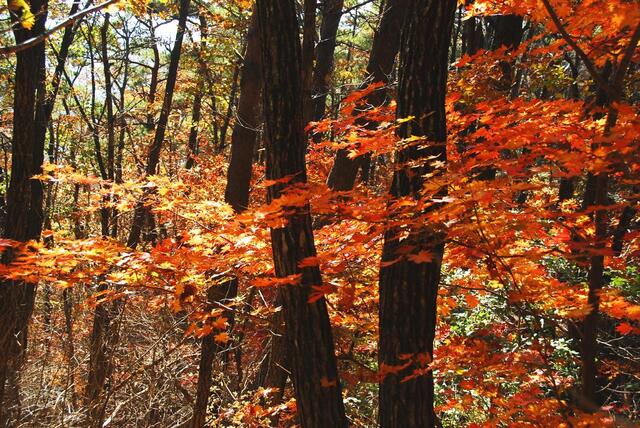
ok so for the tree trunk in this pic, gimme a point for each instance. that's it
(141, 212)
(308, 54)
(232, 101)
(331, 14)
(508, 33)
(243, 140)
(245, 129)
(24, 204)
(193, 146)
(308, 330)
(408, 291)
(216, 293)
(588, 345)
(385, 47)
(472, 35)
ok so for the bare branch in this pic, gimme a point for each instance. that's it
(4, 51)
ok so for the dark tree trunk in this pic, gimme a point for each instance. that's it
(385, 47)
(408, 291)
(308, 330)
(508, 32)
(308, 45)
(216, 293)
(108, 85)
(24, 204)
(104, 337)
(456, 36)
(245, 129)
(155, 71)
(111, 132)
(232, 101)
(588, 345)
(472, 36)
(63, 53)
(193, 146)
(243, 140)
(331, 14)
(141, 212)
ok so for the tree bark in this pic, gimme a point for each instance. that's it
(408, 291)
(308, 330)
(232, 101)
(385, 47)
(24, 204)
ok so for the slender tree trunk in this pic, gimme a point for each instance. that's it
(596, 192)
(508, 32)
(245, 129)
(106, 67)
(308, 45)
(216, 293)
(308, 330)
(408, 290)
(111, 135)
(243, 140)
(104, 336)
(456, 36)
(385, 47)
(141, 212)
(331, 14)
(588, 346)
(193, 146)
(24, 206)
(155, 71)
(232, 100)
(472, 35)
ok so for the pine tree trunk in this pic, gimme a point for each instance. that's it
(408, 291)
(308, 330)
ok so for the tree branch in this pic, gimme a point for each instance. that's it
(583, 56)
(4, 51)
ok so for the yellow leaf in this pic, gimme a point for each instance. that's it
(27, 19)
